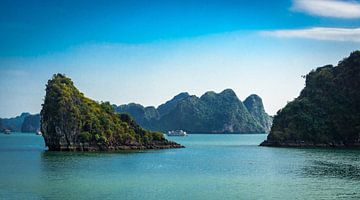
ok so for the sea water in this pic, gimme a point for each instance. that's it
(210, 167)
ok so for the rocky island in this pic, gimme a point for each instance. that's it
(31, 124)
(211, 113)
(327, 112)
(72, 122)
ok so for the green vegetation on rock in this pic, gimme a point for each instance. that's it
(327, 112)
(71, 121)
(142, 115)
(171, 104)
(211, 113)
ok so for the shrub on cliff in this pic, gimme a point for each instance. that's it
(69, 118)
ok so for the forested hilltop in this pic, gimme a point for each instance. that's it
(211, 113)
(327, 112)
(70, 121)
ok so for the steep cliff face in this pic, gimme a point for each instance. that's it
(31, 124)
(70, 121)
(1, 125)
(327, 112)
(255, 107)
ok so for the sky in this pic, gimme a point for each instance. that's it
(149, 51)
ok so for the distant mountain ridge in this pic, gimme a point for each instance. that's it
(15, 123)
(211, 113)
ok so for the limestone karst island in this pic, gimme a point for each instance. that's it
(327, 112)
(72, 122)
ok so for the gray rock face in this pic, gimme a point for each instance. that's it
(61, 131)
(31, 124)
(255, 106)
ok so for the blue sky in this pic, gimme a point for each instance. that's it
(148, 51)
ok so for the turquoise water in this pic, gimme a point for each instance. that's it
(211, 167)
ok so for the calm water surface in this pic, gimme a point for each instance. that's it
(211, 167)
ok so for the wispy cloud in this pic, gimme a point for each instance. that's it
(328, 8)
(319, 33)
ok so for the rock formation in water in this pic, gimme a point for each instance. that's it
(327, 112)
(211, 113)
(31, 124)
(2, 128)
(70, 121)
(255, 107)
(13, 124)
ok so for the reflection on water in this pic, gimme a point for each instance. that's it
(211, 167)
(332, 163)
(330, 169)
(66, 162)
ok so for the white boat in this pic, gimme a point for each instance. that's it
(38, 133)
(177, 133)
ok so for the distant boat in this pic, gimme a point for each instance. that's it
(7, 131)
(177, 133)
(38, 133)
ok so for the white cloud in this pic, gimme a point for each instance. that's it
(319, 33)
(328, 8)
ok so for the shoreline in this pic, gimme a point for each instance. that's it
(226, 133)
(86, 147)
(302, 144)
